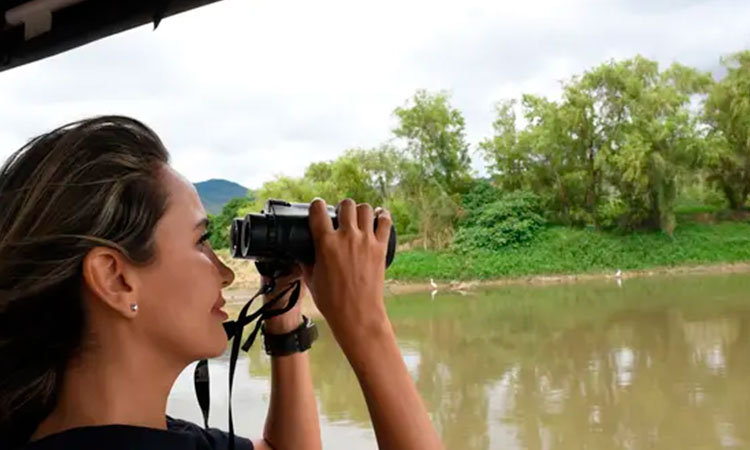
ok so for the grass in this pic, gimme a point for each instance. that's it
(562, 250)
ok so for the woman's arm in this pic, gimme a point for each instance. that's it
(292, 421)
(347, 283)
(398, 414)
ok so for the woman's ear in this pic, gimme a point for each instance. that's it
(111, 278)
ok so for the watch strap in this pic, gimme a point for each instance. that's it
(299, 340)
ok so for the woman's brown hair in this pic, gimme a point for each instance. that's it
(86, 184)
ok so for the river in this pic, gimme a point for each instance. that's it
(661, 362)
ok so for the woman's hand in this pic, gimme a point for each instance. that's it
(347, 279)
(290, 320)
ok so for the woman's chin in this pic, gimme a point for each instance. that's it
(214, 346)
(220, 346)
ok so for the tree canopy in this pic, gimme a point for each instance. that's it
(619, 147)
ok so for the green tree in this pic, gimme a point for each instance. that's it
(505, 155)
(292, 189)
(560, 164)
(435, 137)
(430, 209)
(382, 166)
(727, 112)
(649, 133)
(556, 155)
(366, 175)
(436, 168)
(611, 150)
(221, 223)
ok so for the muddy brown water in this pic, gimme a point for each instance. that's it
(651, 363)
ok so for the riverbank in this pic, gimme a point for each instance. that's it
(237, 296)
(559, 251)
(560, 255)
(395, 287)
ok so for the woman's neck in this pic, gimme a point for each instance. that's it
(126, 387)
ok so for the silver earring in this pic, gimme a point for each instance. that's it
(134, 307)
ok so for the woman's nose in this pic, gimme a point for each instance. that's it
(227, 274)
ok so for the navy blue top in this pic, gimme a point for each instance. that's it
(179, 435)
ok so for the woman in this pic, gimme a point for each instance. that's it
(109, 289)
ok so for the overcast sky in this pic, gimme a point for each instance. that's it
(245, 90)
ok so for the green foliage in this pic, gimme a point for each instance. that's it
(557, 155)
(405, 218)
(623, 148)
(650, 135)
(481, 193)
(220, 224)
(369, 176)
(509, 220)
(727, 112)
(290, 189)
(565, 250)
(505, 155)
(610, 213)
(364, 175)
(696, 196)
(436, 166)
(614, 144)
(435, 138)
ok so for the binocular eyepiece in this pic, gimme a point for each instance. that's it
(281, 234)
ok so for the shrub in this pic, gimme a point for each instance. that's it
(512, 220)
(610, 213)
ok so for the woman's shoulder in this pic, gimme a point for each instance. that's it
(180, 434)
(213, 438)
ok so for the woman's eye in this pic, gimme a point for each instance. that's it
(204, 238)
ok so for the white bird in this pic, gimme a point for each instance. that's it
(432, 284)
(618, 274)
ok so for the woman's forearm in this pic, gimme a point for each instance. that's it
(292, 420)
(398, 414)
(347, 283)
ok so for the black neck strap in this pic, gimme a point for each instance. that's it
(234, 331)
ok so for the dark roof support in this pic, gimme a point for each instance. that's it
(82, 23)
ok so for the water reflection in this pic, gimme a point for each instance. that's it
(656, 363)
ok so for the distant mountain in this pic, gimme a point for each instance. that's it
(216, 193)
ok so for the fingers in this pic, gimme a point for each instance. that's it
(383, 232)
(365, 218)
(352, 216)
(347, 214)
(320, 221)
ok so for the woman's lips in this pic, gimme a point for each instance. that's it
(217, 309)
(219, 312)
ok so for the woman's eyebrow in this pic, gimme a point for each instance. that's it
(204, 222)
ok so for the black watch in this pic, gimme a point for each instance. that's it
(298, 340)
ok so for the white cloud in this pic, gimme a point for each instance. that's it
(245, 90)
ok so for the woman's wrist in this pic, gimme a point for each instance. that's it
(356, 337)
(284, 323)
(290, 320)
(364, 350)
